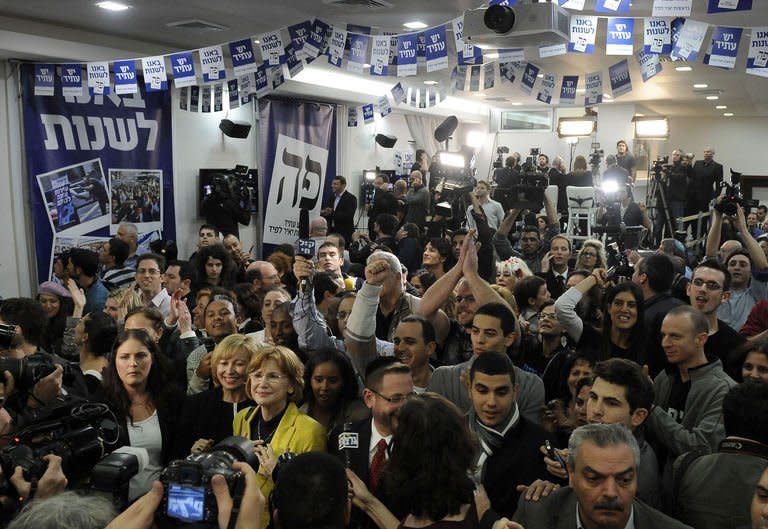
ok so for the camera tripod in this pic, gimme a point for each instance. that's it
(656, 190)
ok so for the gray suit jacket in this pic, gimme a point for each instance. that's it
(558, 511)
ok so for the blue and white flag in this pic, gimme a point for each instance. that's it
(272, 49)
(511, 55)
(474, 78)
(677, 28)
(352, 117)
(125, 77)
(621, 83)
(243, 58)
(657, 35)
(183, 69)
(212, 64)
(671, 8)
(724, 47)
(336, 46)
(757, 58)
(72, 79)
(184, 98)
(398, 93)
(649, 63)
(568, 89)
(552, 50)
(368, 113)
(467, 53)
(621, 36)
(727, 6)
(509, 3)
(275, 76)
(44, 74)
(689, 40)
(299, 34)
(546, 88)
(234, 95)
(436, 49)
(292, 61)
(194, 98)
(262, 86)
(594, 89)
(489, 76)
(406, 55)
(218, 97)
(575, 5)
(205, 98)
(155, 76)
(529, 78)
(385, 108)
(421, 45)
(612, 6)
(358, 52)
(459, 77)
(246, 86)
(98, 78)
(380, 55)
(583, 32)
(509, 71)
(316, 42)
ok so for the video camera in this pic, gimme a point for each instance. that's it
(236, 183)
(620, 269)
(732, 198)
(79, 432)
(498, 163)
(661, 169)
(596, 156)
(26, 371)
(188, 495)
(529, 194)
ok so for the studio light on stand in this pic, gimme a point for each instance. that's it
(366, 186)
(651, 127)
(576, 127)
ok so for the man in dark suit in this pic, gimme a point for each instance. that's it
(556, 273)
(388, 384)
(339, 210)
(706, 179)
(602, 463)
(383, 202)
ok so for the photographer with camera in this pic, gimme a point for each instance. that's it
(625, 159)
(222, 208)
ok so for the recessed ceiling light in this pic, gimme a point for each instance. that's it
(713, 98)
(607, 96)
(492, 55)
(430, 82)
(701, 85)
(256, 41)
(415, 25)
(540, 76)
(112, 6)
(581, 90)
(366, 65)
(479, 94)
(728, 114)
(517, 104)
(721, 107)
(683, 68)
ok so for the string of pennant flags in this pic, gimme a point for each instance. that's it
(285, 52)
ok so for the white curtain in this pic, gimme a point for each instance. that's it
(422, 129)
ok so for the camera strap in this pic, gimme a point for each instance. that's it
(237, 499)
(732, 445)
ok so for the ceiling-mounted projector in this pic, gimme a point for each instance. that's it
(517, 27)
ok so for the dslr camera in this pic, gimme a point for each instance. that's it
(732, 197)
(188, 495)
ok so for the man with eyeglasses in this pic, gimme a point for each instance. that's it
(708, 289)
(149, 276)
(388, 384)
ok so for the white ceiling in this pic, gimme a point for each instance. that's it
(76, 30)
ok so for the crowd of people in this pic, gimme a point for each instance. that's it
(498, 377)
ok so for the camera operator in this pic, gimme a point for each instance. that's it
(222, 208)
(509, 175)
(706, 180)
(632, 214)
(625, 159)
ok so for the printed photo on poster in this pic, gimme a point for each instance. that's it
(137, 197)
(76, 197)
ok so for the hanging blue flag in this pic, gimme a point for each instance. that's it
(368, 113)
(262, 81)
(474, 78)
(568, 89)
(529, 78)
(509, 3)
(315, 43)
(125, 77)
(728, 6)
(299, 34)
(155, 76)
(621, 83)
(724, 47)
(234, 96)
(358, 52)
(757, 57)
(583, 33)
(243, 58)
(576, 5)
(421, 45)
(594, 89)
(183, 69)
(612, 6)
(72, 79)
(436, 49)
(657, 37)
(406, 55)
(98, 78)
(44, 79)
(677, 28)
(380, 55)
(650, 65)
(620, 37)
(546, 88)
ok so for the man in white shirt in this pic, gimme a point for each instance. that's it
(149, 276)
(493, 210)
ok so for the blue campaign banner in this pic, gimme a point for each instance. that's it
(234, 93)
(436, 49)
(183, 69)
(86, 159)
(724, 47)
(583, 33)
(243, 58)
(318, 35)
(612, 6)
(509, 3)
(568, 89)
(72, 79)
(368, 113)
(728, 6)
(529, 78)
(299, 34)
(406, 55)
(44, 75)
(358, 52)
(620, 37)
(621, 83)
(657, 35)
(125, 77)
(297, 145)
(677, 28)
(649, 63)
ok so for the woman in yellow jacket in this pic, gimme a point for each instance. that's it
(275, 424)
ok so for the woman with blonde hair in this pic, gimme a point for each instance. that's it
(275, 424)
(206, 417)
(511, 271)
(591, 256)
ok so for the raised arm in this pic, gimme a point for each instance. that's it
(713, 237)
(308, 323)
(759, 261)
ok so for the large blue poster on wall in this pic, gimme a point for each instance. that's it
(93, 162)
(298, 161)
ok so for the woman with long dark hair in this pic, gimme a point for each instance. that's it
(438, 257)
(58, 305)
(214, 267)
(144, 403)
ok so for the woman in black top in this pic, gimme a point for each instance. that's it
(206, 417)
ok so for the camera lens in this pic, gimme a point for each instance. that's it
(499, 19)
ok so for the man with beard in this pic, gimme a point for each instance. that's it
(388, 384)
(220, 322)
(602, 464)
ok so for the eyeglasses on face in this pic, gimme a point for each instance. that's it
(148, 271)
(394, 399)
(710, 285)
(271, 378)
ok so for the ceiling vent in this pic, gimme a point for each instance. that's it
(197, 25)
(367, 4)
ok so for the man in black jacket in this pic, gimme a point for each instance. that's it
(706, 179)
(339, 209)
(509, 443)
(383, 202)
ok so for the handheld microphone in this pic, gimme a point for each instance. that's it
(348, 441)
(305, 247)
